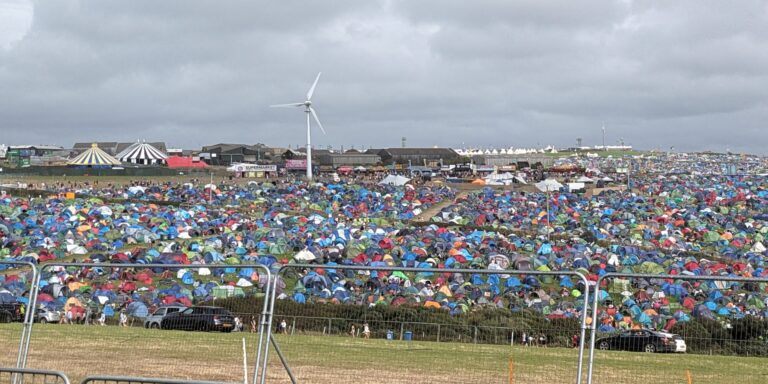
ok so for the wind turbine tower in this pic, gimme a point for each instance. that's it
(309, 111)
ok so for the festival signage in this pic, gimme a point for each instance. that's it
(296, 164)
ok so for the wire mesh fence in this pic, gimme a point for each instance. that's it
(350, 324)
(16, 285)
(31, 376)
(679, 328)
(153, 320)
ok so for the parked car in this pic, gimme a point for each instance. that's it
(154, 320)
(10, 312)
(44, 315)
(643, 340)
(200, 318)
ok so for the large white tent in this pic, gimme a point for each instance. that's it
(549, 185)
(396, 180)
(142, 153)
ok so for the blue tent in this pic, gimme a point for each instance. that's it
(138, 309)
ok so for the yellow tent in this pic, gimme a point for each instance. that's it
(74, 286)
(72, 302)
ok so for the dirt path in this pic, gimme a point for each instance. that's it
(427, 215)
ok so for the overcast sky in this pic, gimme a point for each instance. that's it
(688, 74)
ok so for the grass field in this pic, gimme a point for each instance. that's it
(79, 351)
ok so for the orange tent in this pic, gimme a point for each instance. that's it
(478, 182)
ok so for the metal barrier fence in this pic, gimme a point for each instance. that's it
(719, 322)
(31, 376)
(138, 380)
(132, 341)
(375, 331)
(418, 331)
(13, 312)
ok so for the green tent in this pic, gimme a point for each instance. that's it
(650, 267)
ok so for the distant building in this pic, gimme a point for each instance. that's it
(351, 158)
(417, 156)
(25, 155)
(228, 154)
(520, 161)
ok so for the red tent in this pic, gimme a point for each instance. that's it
(184, 162)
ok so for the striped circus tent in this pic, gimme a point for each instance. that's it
(142, 153)
(94, 157)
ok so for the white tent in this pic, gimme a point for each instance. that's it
(142, 153)
(548, 185)
(396, 180)
(584, 179)
(304, 255)
(606, 179)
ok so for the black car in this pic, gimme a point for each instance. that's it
(200, 318)
(642, 340)
(10, 312)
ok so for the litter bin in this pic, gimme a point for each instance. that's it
(390, 334)
(408, 336)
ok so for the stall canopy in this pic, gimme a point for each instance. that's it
(94, 157)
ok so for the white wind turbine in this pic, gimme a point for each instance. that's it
(308, 110)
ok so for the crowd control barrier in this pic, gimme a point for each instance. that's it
(678, 328)
(138, 380)
(382, 325)
(25, 274)
(31, 376)
(107, 333)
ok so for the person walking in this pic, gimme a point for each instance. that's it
(366, 331)
(123, 319)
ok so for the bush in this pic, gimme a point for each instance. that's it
(746, 337)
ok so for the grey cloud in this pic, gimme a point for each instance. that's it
(439, 72)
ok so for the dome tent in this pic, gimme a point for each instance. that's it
(142, 153)
(94, 157)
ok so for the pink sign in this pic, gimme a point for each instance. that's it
(296, 164)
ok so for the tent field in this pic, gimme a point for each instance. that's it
(79, 350)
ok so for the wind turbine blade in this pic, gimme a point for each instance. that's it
(312, 90)
(314, 114)
(287, 105)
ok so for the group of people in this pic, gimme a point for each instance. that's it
(365, 330)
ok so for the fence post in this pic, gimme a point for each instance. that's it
(402, 327)
(438, 333)
(293, 326)
(329, 327)
(475, 337)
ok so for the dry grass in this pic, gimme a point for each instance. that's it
(80, 351)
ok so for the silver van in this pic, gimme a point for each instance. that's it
(153, 321)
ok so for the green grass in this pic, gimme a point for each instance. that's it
(80, 351)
